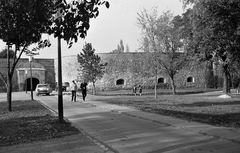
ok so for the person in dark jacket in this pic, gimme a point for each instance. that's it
(135, 90)
(83, 86)
(140, 90)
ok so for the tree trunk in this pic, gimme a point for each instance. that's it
(229, 82)
(60, 96)
(156, 82)
(225, 79)
(225, 83)
(94, 89)
(9, 82)
(173, 86)
(9, 94)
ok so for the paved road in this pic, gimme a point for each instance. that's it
(127, 130)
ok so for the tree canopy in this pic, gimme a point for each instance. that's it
(3, 53)
(23, 21)
(73, 19)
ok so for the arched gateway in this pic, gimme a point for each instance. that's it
(27, 84)
(24, 75)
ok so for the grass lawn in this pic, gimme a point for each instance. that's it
(30, 121)
(201, 107)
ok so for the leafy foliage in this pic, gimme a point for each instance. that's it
(23, 21)
(73, 19)
(3, 53)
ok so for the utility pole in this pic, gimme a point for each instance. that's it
(31, 86)
(26, 80)
(30, 58)
(60, 96)
(59, 16)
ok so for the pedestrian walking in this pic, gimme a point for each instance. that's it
(135, 90)
(56, 88)
(84, 89)
(74, 90)
(238, 88)
(140, 90)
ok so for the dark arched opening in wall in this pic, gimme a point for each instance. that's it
(28, 83)
(161, 80)
(190, 79)
(120, 82)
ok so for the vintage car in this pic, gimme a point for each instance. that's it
(65, 86)
(43, 89)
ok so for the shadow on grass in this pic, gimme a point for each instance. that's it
(30, 121)
(226, 120)
(150, 93)
(28, 129)
(18, 106)
(204, 104)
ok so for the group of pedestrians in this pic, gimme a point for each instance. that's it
(135, 88)
(73, 88)
(83, 87)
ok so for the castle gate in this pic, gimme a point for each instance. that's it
(24, 75)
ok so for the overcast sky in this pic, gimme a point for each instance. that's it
(117, 22)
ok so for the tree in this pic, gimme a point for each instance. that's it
(145, 45)
(162, 36)
(120, 48)
(127, 48)
(216, 36)
(21, 24)
(147, 22)
(91, 67)
(4, 53)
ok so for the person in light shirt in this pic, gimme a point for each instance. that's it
(74, 90)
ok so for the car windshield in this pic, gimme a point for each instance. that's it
(42, 85)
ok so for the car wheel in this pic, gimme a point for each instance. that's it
(37, 94)
(48, 94)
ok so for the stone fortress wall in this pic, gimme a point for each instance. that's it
(127, 69)
(122, 72)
